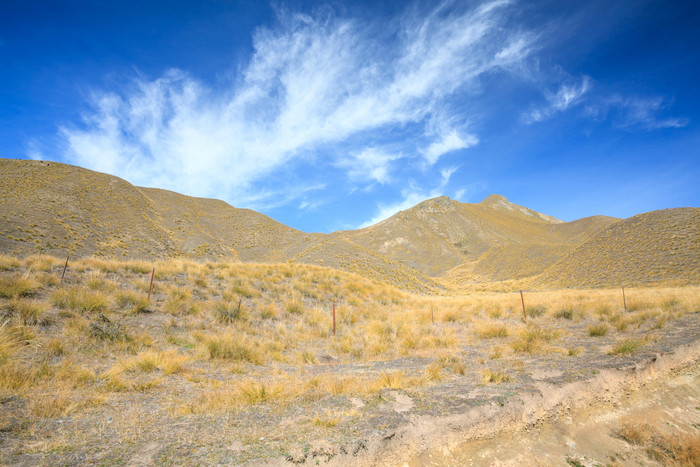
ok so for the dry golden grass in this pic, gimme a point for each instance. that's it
(96, 342)
(16, 285)
(681, 449)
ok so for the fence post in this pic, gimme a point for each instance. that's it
(65, 266)
(523, 301)
(432, 314)
(624, 300)
(150, 287)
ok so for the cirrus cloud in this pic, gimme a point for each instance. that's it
(312, 82)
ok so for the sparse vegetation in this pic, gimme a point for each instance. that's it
(257, 338)
(597, 330)
(677, 449)
(626, 346)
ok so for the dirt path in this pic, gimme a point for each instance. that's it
(670, 404)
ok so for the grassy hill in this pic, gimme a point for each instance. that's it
(651, 248)
(60, 209)
(440, 234)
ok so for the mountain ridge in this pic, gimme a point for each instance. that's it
(55, 208)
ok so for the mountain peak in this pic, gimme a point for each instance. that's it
(439, 204)
(495, 199)
(501, 202)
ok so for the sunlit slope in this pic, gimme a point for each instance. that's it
(341, 254)
(440, 234)
(61, 209)
(654, 247)
(213, 228)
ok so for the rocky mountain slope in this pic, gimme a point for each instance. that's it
(59, 209)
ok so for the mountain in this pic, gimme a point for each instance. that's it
(657, 247)
(59, 209)
(440, 234)
(54, 208)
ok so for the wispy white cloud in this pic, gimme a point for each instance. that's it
(370, 164)
(635, 112)
(312, 81)
(448, 140)
(566, 96)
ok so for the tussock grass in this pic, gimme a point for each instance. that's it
(194, 353)
(41, 262)
(131, 300)
(80, 299)
(29, 312)
(294, 307)
(9, 263)
(492, 330)
(169, 363)
(52, 405)
(535, 311)
(10, 342)
(228, 312)
(565, 313)
(498, 376)
(626, 346)
(597, 330)
(680, 449)
(18, 285)
(533, 339)
(231, 346)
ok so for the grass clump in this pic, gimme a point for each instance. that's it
(294, 307)
(627, 346)
(133, 301)
(227, 312)
(493, 330)
(598, 330)
(535, 311)
(233, 347)
(85, 300)
(565, 313)
(681, 450)
(16, 285)
(533, 339)
(168, 362)
(29, 312)
(495, 377)
(255, 392)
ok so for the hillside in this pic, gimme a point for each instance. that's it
(651, 248)
(440, 234)
(60, 209)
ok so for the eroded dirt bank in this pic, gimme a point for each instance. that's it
(553, 424)
(598, 435)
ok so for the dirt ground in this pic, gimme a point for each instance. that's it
(590, 436)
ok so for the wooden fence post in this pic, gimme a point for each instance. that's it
(150, 287)
(523, 301)
(65, 266)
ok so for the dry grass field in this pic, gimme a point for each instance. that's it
(236, 362)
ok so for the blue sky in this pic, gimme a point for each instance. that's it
(335, 115)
